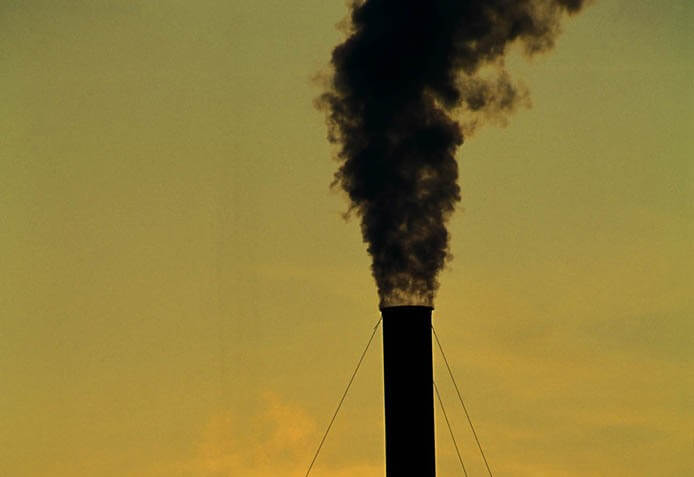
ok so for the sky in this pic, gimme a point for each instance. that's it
(181, 295)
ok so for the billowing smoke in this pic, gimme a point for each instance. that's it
(406, 66)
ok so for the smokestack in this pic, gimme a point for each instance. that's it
(409, 394)
(409, 80)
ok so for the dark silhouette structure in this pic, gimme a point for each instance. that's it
(409, 393)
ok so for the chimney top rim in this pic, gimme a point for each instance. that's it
(413, 307)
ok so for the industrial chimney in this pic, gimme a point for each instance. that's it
(409, 394)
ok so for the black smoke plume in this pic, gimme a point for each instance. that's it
(406, 66)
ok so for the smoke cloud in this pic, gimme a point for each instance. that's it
(405, 69)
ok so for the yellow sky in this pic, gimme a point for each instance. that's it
(181, 297)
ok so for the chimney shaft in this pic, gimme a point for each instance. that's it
(409, 395)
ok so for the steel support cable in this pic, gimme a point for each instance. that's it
(450, 429)
(460, 397)
(342, 399)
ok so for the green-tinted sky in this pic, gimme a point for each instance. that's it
(180, 296)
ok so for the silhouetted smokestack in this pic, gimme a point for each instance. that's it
(409, 395)
(407, 73)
